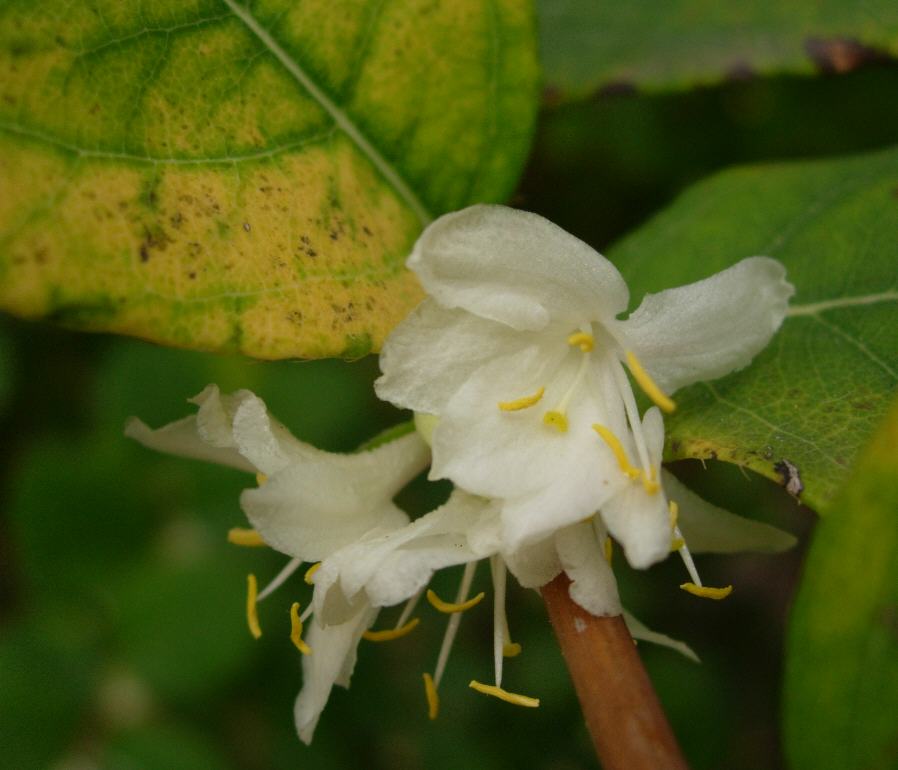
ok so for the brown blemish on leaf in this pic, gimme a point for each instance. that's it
(616, 88)
(841, 54)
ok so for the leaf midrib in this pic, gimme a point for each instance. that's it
(401, 187)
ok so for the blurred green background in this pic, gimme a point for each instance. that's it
(122, 634)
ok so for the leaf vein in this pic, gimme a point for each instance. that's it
(340, 117)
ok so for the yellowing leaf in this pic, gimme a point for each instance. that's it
(248, 176)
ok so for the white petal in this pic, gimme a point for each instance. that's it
(182, 438)
(642, 632)
(707, 528)
(497, 453)
(393, 566)
(333, 656)
(640, 522)
(515, 267)
(535, 564)
(428, 356)
(593, 586)
(709, 328)
(313, 507)
(204, 436)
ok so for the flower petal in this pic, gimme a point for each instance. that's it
(593, 586)
(390, 567)
(640, 522)
(497, 453)
(201, 436)
(707, 528)
(642, 632)
(313, 507)
(534, 564)
(331, 662)
(428, 356)
(515, 267)
(709, 328)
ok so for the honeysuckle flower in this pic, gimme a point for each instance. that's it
(386, 568)
(309, 504)
(519, 353)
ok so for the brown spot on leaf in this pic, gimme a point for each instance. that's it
(617, 88)
(841, 54)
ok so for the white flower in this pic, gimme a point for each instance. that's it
(519, 353)
(309, 504)
(386, 568)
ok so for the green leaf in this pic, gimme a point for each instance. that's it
(248, 176)
(590, 47)
(813, 397)
(841, 693)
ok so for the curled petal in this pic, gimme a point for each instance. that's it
(707, 528)
(593, 586)
(331, 662)
(709, 328)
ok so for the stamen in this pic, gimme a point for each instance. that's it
(557, 417)
(409, 609)
(452, 626)
(674, 513)
(626, 393)
(522, 403)
(582, 340)
(246, 537)
(660, 398)
(676, 544)
(390, 634)
(261, 478)
(509, 697)
(608, 547)
(649, 482)
(279, 579)
(617, 448)
(451, 607)
(556, 420)
(252, 617)
(511, 650)
(310, 573)
(706, 592)
(296, 630)
(433, 700)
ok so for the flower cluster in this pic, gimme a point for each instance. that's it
(519, 370)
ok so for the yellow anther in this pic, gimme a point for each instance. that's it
(677, 544)
(608, 547)
(261, 478)
(522, 403)
(391, 633)
(296, 630)
(582, 340)
(615, 446)
(310, 573)
(674, 513)
(433, 700)
(511, 650)
(252, 617)
(509, 697)
(648, 385)
(450, 607)
(248, 537)
(706, 592)
(556, 420)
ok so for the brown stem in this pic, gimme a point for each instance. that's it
(628, 726)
